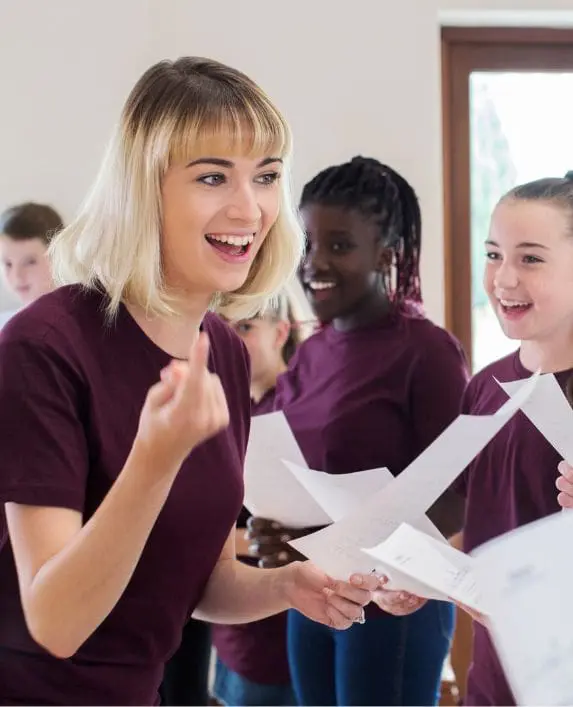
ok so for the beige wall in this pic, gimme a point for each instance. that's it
(353, 77)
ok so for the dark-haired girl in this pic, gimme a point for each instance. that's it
(373, 388)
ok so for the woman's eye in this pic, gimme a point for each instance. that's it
(212, 180)
(268, 179)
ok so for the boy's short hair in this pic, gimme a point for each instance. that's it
(30, 220)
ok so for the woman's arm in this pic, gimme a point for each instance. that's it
(71, 576)
(237, 593)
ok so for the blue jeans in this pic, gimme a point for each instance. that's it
(389, 660)
(230, 688)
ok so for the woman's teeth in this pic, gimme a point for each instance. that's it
(232, 240)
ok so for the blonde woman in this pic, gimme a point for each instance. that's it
(124, 404)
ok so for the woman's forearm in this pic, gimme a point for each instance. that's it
(237, 593)
(78, 575)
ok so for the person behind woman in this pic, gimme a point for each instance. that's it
(529, 281)
(25, 234)
(252, 663)
(124, 403)
(372, 389)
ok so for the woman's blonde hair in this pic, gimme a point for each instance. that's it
(178, 110)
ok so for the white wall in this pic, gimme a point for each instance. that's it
(65, 67)
(353, 77)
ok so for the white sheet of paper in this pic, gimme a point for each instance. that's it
(550, 412)
(526, 578)
(340, 494)
(434, 471)
(337, 549)
(416, 563)
(271, 491)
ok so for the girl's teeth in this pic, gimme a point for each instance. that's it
(321, 285)
(514, 304)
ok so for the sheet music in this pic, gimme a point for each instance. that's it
(271, 491)
(417, 563)
(548, 409)
(337, 549)
(339, 494)
(526, 579)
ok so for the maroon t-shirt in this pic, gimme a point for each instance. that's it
(71, 390)
(514, 480)
(372, 397)
(256, 651)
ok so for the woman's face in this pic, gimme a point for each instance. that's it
(217, 212)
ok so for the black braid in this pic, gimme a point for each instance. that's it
(375, 190)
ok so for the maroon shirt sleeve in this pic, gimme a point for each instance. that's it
(43, 441)
(438, 383)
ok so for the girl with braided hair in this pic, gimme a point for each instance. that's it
(373, 388)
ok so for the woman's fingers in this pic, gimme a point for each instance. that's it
(349, 610)
(349, 592)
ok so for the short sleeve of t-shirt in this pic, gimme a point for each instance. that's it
(439, 379)
(42, 439)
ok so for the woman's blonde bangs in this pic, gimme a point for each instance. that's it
(241, 128)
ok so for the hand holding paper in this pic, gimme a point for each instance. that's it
(416, 563)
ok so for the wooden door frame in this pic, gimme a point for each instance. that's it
(464, 50)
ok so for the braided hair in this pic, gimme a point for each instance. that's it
(376, 191)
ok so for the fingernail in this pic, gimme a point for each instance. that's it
(328, 592)
(356, 579)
